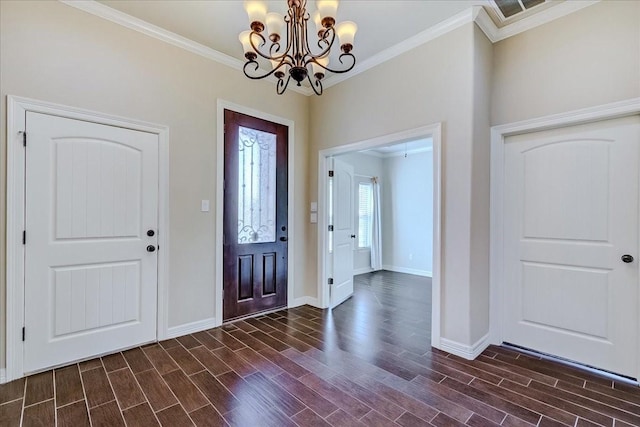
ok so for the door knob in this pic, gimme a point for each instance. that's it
(284, 239)
(353, 236)
(151, 248)
(151, 233)
(627, 258)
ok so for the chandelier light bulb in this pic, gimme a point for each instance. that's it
(275, 21)
(257, 11)
(318, 21)
(274, 64)
(245, 39)
(346, 32)
(318, 71)
(328, 10)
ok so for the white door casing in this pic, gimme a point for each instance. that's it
(91, 196)
(324, 258)
(570, 212)
(343, 229)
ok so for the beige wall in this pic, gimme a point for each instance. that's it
(480, 171)
(56, 53)
(430, 84)
(588, 58)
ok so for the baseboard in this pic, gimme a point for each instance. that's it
(468, 352)
(362, 270)
(3, 376)
(414, 271)
(304, 301)
(189, 328)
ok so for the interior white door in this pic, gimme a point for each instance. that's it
(570, 215)
(91, 205)
(343, 232)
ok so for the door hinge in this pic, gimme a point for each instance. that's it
(23, 333)
(330, 174)
(24, 237)
(24, 138)
(330, 280)
(331, 228)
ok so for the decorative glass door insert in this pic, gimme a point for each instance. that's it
(256, 186)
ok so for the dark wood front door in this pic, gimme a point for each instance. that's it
(255, 215)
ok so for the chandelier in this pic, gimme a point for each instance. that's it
(292, 56)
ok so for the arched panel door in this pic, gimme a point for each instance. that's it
(91, 236)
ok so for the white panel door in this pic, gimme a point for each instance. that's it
(570, 214)
(91, 198)
(343, 232)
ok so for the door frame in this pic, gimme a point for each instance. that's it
(17, 107)
(433, 131)
(498, 135)
(219, 277)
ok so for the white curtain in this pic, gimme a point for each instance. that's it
(376, 228)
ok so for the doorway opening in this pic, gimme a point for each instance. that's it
(365, 212)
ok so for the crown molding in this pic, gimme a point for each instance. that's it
(475, 14)
(495, 34)
(486, 24)
(419, 39)
(102, 11)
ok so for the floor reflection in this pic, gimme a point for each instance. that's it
(387, 311)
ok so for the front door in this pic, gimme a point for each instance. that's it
(91, 235)
(255, 215)
(571, 243)
(343, 232)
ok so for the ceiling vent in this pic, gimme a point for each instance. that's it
(506, 11)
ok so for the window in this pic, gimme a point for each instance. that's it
(365, 214)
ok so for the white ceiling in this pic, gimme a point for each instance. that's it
(217, 23)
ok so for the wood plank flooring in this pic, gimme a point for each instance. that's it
(366, 363)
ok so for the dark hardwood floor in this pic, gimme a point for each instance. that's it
(368, 362)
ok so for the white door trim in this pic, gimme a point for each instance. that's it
(17, 107)
(435, 132)
(498, 135)
(222, 105)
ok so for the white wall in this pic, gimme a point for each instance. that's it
(364, 167)
(407, 214)
(56, 53)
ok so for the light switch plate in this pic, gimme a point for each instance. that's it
(314, 206)
(314, 218)
(204, 207)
